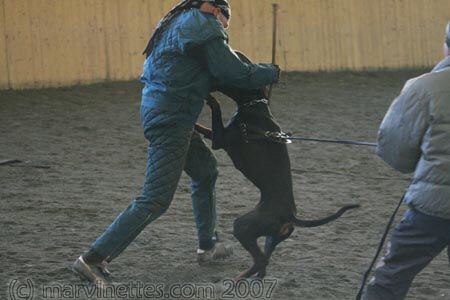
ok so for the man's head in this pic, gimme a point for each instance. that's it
(225, 11)
(224, 7)
(220, 8)
(447, 41)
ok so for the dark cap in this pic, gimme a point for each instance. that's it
(224, 7)
(222, 4)
(218, 3)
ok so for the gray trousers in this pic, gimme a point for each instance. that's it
(416, 240)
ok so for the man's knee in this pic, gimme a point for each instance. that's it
(150, 207)
(206, 177)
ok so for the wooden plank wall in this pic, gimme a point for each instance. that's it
(64, 42)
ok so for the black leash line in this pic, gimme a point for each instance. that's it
(345, 142)
(287, 138)
(380, 247)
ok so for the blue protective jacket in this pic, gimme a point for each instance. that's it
(176, 82)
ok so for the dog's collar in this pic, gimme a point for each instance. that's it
(254, 102)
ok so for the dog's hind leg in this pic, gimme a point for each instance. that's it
(247, 229)
(272, 241)
(259, 259)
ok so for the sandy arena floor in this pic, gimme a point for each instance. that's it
(84, 155)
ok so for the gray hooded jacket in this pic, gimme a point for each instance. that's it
(415, 137)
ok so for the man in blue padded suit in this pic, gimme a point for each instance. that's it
(186, 54)
(415, 137)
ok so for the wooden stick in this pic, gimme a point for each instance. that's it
(274, 42)
(274, 32)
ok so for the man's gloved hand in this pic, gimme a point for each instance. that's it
(277, 67)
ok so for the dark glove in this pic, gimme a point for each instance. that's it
(278, 70)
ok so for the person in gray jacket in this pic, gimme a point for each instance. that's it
(415, 137)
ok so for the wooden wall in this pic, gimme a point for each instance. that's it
(64, 42)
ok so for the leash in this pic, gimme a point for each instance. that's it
(283, 137)
(380, 247)
(344, 142)
(287, 138)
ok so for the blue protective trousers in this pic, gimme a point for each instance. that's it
(173, 147)
(416, 240)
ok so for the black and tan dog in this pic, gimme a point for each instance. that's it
(265, 162)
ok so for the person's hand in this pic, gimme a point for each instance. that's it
(277, 68)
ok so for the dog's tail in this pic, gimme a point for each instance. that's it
(314, 223)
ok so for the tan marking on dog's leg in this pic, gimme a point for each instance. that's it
(284, 230)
